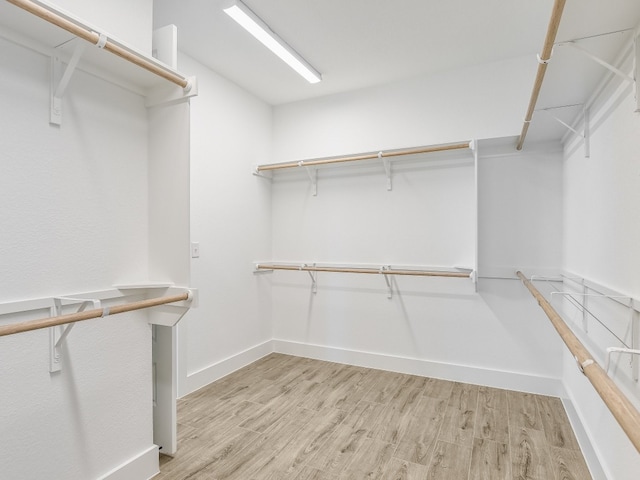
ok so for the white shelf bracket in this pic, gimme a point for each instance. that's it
(584, 134)
(387, 280)
(387, 169)
(258, 173)
(597, 59)
(60, 78)
(58, 335)
(629, 351)
(313, 177)
(314, 278)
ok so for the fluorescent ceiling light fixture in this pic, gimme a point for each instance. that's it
(261, 31)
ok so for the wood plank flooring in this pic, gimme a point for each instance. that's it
(290, 418)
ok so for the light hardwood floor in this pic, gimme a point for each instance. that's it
(286, 417)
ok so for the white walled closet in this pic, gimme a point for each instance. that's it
(112, 200)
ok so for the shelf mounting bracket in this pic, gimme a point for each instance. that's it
(585, 132)
(313, 177)
(387, 169)
(597, 59)
(60, 78)
(383, 269)
(314, 278)
(58, 335)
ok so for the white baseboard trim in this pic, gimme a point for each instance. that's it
(589, 453)
(426, 368)
(204, 377)
(143, 466)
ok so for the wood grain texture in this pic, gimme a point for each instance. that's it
(492, 422)
(418, 442)
(338, 451)
(523, 411)
(568, 464)
(556, 424)
(402, 470)
(289, 418)
(490, 460)
(437, 388)
(369, 462)
(449, 462)
(530, 456)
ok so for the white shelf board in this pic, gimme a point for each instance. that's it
(143, 285)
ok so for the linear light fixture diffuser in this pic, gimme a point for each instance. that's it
(263, 33)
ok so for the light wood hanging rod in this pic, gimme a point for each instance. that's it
(543, 59)
(365, 156)
(95, 38)
(622, 409)
(88, 314)
(376, 271)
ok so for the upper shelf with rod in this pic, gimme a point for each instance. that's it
(40, 26)
(573, 66)
(312, 164)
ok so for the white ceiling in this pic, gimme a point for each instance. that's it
(360, 43)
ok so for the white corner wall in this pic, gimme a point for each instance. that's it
(602, 234)
(73, 218)
(437, 327)
(231, 221)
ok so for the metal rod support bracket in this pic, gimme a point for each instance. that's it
(629, 351)
(387, 169)
(60, 78)
(585, 134)
(259, 173)
(313, 177)
(58, 335)
(387, 280)
(313, 276)
(597, 59)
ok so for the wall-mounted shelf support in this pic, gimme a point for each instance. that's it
(314, 277)
(59, 334)
(387, 280)
(628, 78)
(585, 132)
(387, 169)
(629, 351)
(60, 78)
(313, 178)
(597, 59)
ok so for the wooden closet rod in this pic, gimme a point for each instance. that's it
(543, 59)
(89, 314)
(418, 273)
(93, 37)
(624, 412)
(366, 156)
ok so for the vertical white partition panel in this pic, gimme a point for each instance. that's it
(168, 248)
